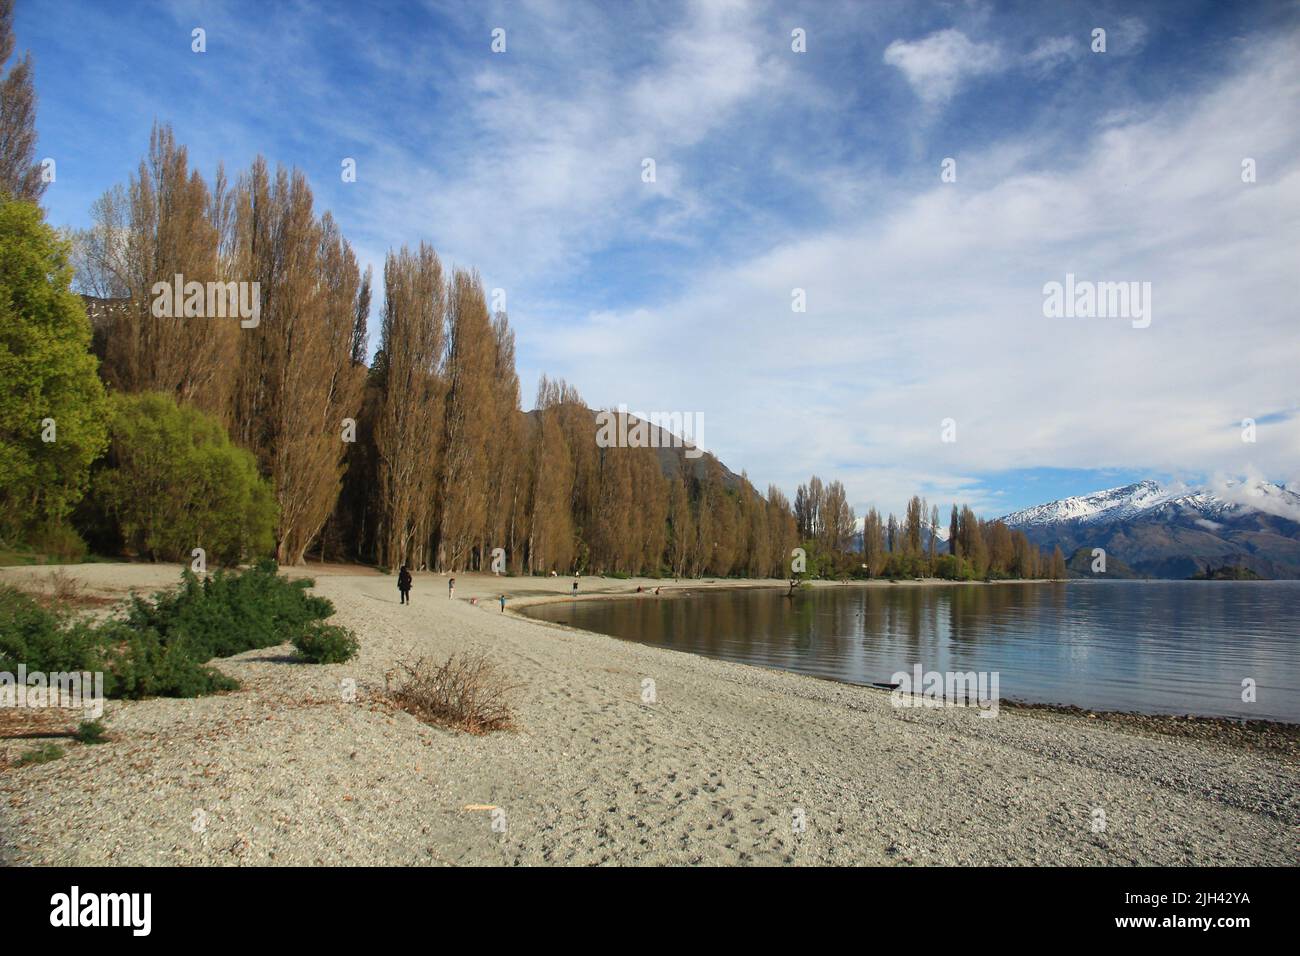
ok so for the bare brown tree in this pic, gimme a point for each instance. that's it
(20, 175)
(467, 431)
(681, 533)
(158, 227)
(505, 453)
(550, 542)
(784, 532)
(611, 529)
(837, 519)
(297, 383)
(409, 416)
(650, 510)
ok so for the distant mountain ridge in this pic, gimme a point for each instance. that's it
(670, 449)
(1176, 532)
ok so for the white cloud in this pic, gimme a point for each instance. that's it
(937, 65)
(934, 310)
(1052, 51)
(553, 171)
(1127, 37)
(1253, 490)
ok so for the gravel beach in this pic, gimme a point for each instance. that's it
(729, 765)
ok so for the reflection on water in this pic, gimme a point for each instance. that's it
(1157, 647)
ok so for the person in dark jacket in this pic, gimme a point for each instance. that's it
(404, 584)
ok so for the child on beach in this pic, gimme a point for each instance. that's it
(404, 584)
(503, 604)
(451, 589)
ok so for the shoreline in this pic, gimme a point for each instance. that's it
(706, 771)
(1276, 735)
(1279, 736)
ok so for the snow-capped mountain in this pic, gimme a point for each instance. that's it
(1177, 531)
(1098, 506)
(1129, 501)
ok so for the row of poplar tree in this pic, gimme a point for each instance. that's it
(421, 457)
(915, 545)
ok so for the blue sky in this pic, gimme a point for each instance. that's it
(778, 170)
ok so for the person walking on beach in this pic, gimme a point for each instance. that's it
(575, 587)
(503, 604)
(451, 589)
(404, 584)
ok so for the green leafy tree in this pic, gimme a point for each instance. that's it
(53, 415)
(173, 481)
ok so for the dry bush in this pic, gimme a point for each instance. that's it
(465, 692)
(61, 591)
(64, 588)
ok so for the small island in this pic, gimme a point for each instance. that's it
(1229, 572)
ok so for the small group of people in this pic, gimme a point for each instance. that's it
(404, 589)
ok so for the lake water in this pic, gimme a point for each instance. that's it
(1150, 646)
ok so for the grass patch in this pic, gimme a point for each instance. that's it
(465, 692)
(18, 557)
(41, 754)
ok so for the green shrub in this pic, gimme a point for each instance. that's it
(41, 639)
(326, 643)
(948, 567)
(59, 543)
(230, 612)
(173, 481)
(142, 664)
(162, 647)
(91, 732)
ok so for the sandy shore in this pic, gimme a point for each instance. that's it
(716, 771)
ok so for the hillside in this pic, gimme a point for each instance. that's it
(671, 452)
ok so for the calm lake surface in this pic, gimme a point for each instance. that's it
(1150, 646)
